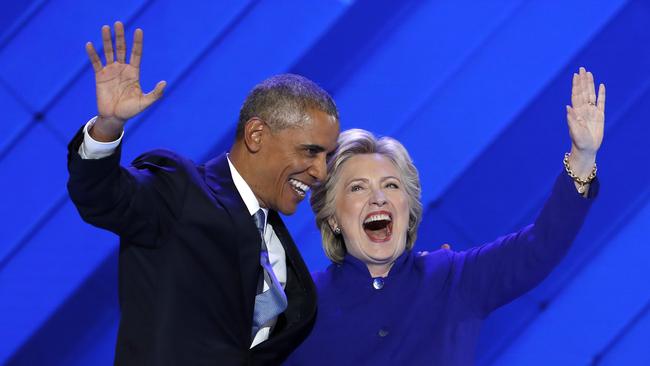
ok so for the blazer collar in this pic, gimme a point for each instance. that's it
(248, 240)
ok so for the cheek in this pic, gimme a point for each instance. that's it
(404, 208)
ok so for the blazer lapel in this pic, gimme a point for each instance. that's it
(219, 179)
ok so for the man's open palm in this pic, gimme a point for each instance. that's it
(119, 95)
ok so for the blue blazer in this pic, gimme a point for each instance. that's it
(188, 260)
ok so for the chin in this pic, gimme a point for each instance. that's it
(288, 208)
(383, 256)
(288, 212)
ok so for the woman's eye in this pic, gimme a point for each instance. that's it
(392, 185)
(355, 188)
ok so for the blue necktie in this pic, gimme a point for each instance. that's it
(272, 302)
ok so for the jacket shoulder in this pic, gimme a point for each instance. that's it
(161, 157)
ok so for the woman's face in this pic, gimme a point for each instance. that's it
(372, 211)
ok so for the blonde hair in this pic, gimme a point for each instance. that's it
(355, 142)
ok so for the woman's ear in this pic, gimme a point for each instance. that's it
(334, 226)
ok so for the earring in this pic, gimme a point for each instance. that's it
(337, 230)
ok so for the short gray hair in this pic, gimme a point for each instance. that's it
(283, 101)
(355, 142)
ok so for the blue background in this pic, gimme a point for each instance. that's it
(475, 90)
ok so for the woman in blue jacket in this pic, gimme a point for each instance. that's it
(381, 303)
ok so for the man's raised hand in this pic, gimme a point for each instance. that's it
(119, 95)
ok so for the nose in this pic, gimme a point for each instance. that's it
(378, 197)
(318, 170)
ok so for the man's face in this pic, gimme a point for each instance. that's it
(295, 160)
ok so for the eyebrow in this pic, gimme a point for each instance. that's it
(317, 148)
(365, 180)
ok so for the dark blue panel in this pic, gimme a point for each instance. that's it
(55, 36)
(347, 44)
(45, 272)
(632, 348)
(15, 119)
(11, 12)
(35, 177)
(74, 330)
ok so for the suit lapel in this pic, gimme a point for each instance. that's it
(219, 179)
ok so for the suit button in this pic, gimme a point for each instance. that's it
(378, 283)
(382, 332)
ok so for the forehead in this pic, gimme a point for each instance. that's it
(319, 129)
(368, 166)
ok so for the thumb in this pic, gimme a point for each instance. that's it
(155, 94)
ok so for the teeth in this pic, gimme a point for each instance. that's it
(299, 185)
(378, 217)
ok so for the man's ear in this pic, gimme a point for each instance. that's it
(253, 134)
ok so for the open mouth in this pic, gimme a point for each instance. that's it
(378, 226)
(299, 187)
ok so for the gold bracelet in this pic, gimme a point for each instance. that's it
(581, 182)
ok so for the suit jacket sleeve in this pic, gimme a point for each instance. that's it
(139, 202)
(496, 273)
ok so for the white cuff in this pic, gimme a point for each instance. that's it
(93, 149)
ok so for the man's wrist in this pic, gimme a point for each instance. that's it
(92, 149)
(106, 129)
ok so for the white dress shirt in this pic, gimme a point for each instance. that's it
(93, 149)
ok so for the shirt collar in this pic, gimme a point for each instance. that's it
(245, 191)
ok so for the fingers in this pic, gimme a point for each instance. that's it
(108, 44)
(571, 115)
(575, 91)
(591, 93)
(155, 94)
(584, 88)
(601, 98)
(583, 91)
(94, 58)
(136, 51)
(120, 44)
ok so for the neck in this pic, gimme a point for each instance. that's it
(245, 165)
(379, 270)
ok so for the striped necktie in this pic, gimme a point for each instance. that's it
(272, 302)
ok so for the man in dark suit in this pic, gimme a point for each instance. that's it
(201, 245)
